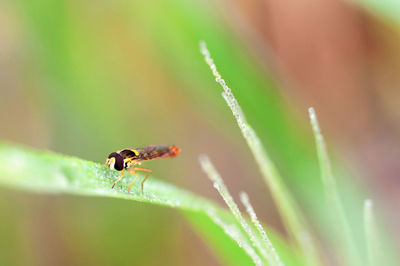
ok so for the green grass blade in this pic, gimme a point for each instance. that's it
(44, 172)
(236, 234)
(275, 259)
(344, 237)
(291, 215)
(218, 239)
(220, 186)
(371, 234)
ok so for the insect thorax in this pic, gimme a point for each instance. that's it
(128, 162)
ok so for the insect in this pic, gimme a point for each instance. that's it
(126, 160)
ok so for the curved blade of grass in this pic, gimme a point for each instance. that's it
(371, 234)
(380, 249)
(219, 239)
(220, 186)
(267, 242)
(291, 215)
(344, 236)
(45, 172)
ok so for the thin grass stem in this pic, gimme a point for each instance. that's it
(234, 232)
(291, 216)
(250, 210)
(371, 234)
(220, 186)
(344, 235)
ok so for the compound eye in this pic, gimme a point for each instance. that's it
(119, 163)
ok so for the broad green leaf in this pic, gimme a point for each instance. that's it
(45, 172)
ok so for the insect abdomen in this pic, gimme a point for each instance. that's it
(157, 151)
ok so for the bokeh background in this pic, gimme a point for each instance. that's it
(86, 78)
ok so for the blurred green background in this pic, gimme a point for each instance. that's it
(86, 78)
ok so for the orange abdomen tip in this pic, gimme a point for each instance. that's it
(174, 150)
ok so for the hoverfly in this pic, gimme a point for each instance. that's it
(126, 160)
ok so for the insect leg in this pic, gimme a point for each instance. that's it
(144, 170)
(116, 181)
(132, 171)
